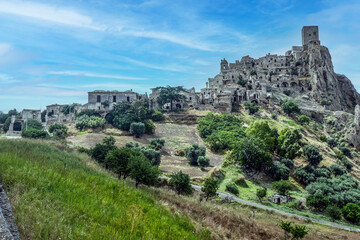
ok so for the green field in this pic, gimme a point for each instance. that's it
(63, 195)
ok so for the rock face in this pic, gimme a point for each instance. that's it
(8, 228)
(335, 89)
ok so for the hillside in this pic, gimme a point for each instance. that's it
(57, 194)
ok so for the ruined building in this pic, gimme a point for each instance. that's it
(304, 72)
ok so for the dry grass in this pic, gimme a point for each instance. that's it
(235, 221)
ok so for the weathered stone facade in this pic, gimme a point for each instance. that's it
(304, 72)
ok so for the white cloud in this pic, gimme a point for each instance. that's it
(89, 74)
(45, 91)
(176, 68)
(117, 86)
(6, 79)
(50, 13)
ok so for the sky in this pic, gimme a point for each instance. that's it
(55, 51)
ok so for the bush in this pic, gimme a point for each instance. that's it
(89, 122)
(100, 151)
(297, 232)
(157, 116)
(142, 171)
(346, 151)
(253, 72)
(303, 119)
(242, 81)
(34, 124)
(137, 129)
(193, 153)
(287, 162)
(157, 143)
(280, 172)
(333, 212)
(210, 187)
(287, 92)
(88, 112)
(303, 176)
(312, 154)
(261, 193)
(203, 161)
(252, 154)
(337, 170)
(332, 142)
(261, 129)
(241, 182)
(181, 183)
(34, 133)
(58, 130)
(117, 160)
(351, 212)
(289, 143)
(290, 106)
(232, 188)
(252, 107)
(152, 155)
(282, 187)
(7, 124)
(317, 202)
(149, 127)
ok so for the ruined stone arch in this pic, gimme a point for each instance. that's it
(178, 106)
(293, 84)
(255, 101)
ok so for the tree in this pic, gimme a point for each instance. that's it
(280, 172)
(282, 187)
(137, 129)
(203, 161)
(7, 124)
(351, 212)
(34, 124)
(312, 154)
(34, 133)
(142, 171)
(100, 151)
(289, 142)
(290, 106)
(210, 187)
(193, 153)
(251, 153)
(181, 183)
(261, 193)
(317, 202)
(157, 143)
(337, 170)
(297, 232)
(261, 129)
(252, 107)
(169, 94)
(333, 212)
(117, 160)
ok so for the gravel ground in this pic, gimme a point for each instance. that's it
(8, 228)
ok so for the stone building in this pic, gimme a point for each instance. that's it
(104, 101)
(31, 114)
(15, 128)
(304, 72)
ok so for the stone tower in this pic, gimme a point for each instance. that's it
(224, 65)
(310, 34)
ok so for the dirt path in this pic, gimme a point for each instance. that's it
(177, 136)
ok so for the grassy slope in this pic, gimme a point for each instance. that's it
(55, 195)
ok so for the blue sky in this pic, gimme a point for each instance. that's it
(55, 51)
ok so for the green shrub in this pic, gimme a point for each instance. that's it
(261, 129)
(289, 142)
(287, 92)
(34, 133)
(253, 72)
(303, 176)
(100, 151)
(241, 182)
(351, 212)
(251, 153)
(346, 151)
(117, 160)
(88, 112)
(303, 119)
(34, 124)
(142, 171)
(137, 129)
(203, 161)
(210, 187)
(181, 183)
(58, 130)
(337, 170)
(297, 232)
(290, 106)
(193, 153)
(157, 116)
(323, 138)
(252, 107)
(242, 81)
(312, 154)
(333, 212)
(261, 193)
(149, 127)
(332, 142)
(157, 143)
(7, 124)
(287, 162)
(282, 187)
(280, 172)
(85, 121)
(317, 202)
(274, 116)
(232, 188)
(152, 155)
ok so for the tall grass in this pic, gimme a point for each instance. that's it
(55, 195)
